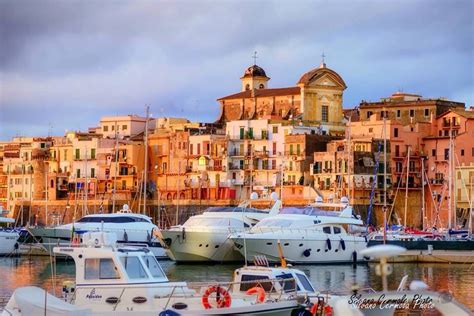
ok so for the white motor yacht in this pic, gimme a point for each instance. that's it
(113, 280)
(307, 234)
(205, 237)
(8, 237)
(130, 228)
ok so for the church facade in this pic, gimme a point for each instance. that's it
(316, 100)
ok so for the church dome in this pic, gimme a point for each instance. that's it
(254, 71)
(316, 73)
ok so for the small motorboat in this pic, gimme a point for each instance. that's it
(112, 280)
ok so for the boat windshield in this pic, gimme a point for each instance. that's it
(115, 219)
(235, 209)
(199, 221)
(274, 222)
(309, 210)
(153, 266)
(133, 267)
(305, 282)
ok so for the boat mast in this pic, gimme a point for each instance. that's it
(146, 160)
(349, 160)
(406, 186)
(423, 192)
(384, 176)
(450, 180)
(86, 190)
(251, 173)
(177, 202)
(46, 191)
(115, 168)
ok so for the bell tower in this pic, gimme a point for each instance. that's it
(254, 77)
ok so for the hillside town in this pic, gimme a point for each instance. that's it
(301, 142)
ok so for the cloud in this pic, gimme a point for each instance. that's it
(71, 62)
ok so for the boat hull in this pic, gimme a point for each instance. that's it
(302, 250)
(199, 246)
(8, 240)
(52, 237)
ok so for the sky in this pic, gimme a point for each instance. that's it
(65, 64)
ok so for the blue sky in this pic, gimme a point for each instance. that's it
(67, 63)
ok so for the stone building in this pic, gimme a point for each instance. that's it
(316, 99)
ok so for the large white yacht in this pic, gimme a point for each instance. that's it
(205, 237)
(112, 280)
(311, 234)
(130, 228)
(8, 237)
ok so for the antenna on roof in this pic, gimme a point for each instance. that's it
(255, 57)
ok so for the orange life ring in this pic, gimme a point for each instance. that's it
(260, 293)
(223, 298)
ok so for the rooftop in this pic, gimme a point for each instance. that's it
(263, 93)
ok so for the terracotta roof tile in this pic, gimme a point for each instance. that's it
(263, 93)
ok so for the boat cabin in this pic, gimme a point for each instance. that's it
(96, 264)
(272, 280)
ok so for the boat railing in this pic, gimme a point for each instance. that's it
(194, 289)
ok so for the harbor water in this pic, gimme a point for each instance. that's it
(457, 279)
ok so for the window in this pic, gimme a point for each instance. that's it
(384, 114)
(327, 230)
(371, 130)
(93, 153)
(274, 148)
(100, 269)
(399, 166)
(369, 114)
(153, 266)
(291, 149)
(446, 154)
(305, 282)
(472, 151)
(198, 149)
(247, 87)
(462, 152)
(397, 150)
(191, 149)
(133, 267)
(337, 230)
(324, 113)
(412, 113)
(106, 128)
(112, 127)
(248, 284)
(433, 152)
(395, 132)
(92, 172)
(427, 112)
(261, 86)
(78, 173)
(275, 129)
(399, 113)
(124, 127)
(287, 282)
(298, 149)
(78, 153)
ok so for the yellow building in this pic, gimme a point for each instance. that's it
(316, 100)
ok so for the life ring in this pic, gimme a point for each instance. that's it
(260, 293)
(314, 309)
(223, 298)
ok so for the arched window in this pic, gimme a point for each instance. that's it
(247, 87)
(261, 86)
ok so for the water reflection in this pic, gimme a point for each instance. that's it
(455, 278)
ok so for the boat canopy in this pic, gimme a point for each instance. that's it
(308, 210)
(230, 209)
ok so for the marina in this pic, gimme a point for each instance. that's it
(253, 158)
(457, 279)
